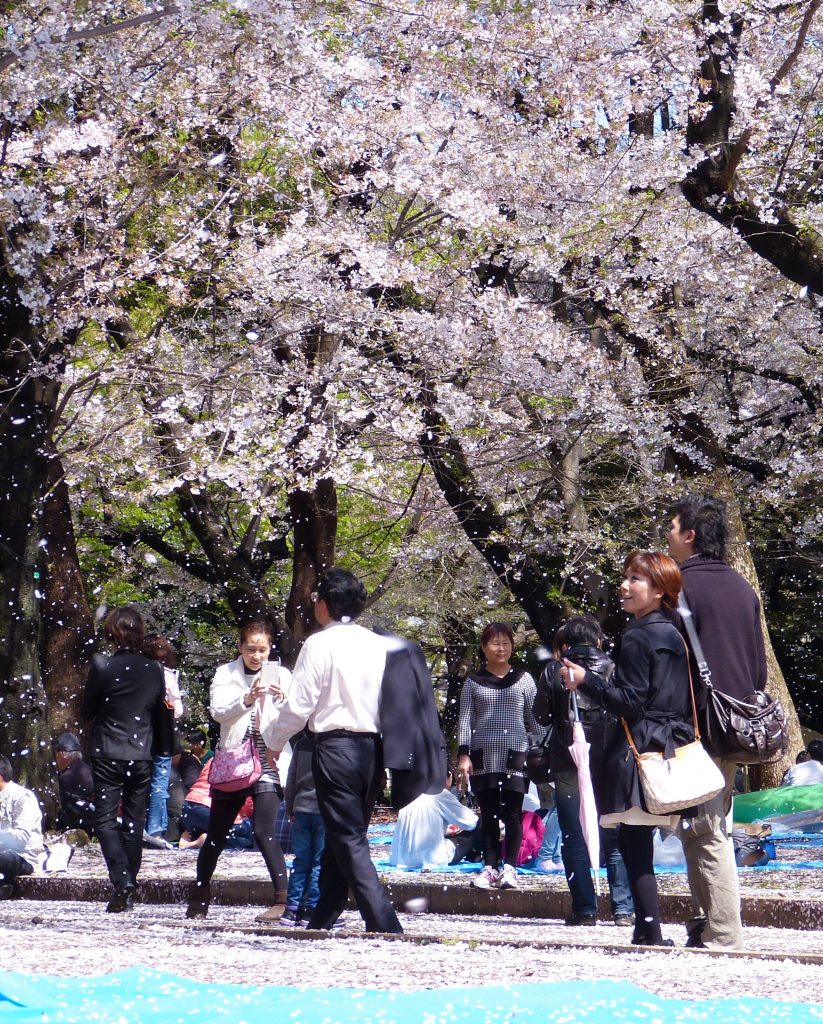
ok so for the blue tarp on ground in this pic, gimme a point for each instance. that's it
(138, 996)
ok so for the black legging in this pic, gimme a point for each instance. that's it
(498, 805)
(224, 808)
(636, 843)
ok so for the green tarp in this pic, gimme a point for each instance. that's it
(771, 803)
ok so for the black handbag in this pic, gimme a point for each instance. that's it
(754, 730)
(537, 761)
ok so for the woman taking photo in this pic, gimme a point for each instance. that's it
(650, 691)
(493, 737)
(242, 699)
(124, 699)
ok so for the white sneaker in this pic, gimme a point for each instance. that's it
(548, 866)
(507, 879)
(486, 879)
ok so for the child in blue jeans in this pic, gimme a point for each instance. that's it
(308, 834)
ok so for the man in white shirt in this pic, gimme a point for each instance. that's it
(807, 773)
(21, 837)
(336, 690)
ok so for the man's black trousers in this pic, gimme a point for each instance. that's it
(348, 771)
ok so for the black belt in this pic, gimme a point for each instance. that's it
(336, 733)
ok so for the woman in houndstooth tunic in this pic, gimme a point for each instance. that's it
(493, 737)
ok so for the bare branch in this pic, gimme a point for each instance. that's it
(9, 59)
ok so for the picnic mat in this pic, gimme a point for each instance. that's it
(139, 995)
(770, 803)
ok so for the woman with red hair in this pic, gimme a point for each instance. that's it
(650, 691)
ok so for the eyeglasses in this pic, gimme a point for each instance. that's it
(315, 597)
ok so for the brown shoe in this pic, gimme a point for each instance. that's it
(199, 899)
(271, 915)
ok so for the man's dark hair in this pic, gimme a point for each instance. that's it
(197, 736)
(125, 628)
(581, 631)
(815, 749)
(344, 594)
(707, 517)
(6, 773)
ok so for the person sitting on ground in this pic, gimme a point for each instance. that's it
(198, 743)
(187, 763)
(75, 783)
(581, 639)
(809, 772)
(21, 835)
(196, 811)
(549, 857)
(420, 838)
(308, 833)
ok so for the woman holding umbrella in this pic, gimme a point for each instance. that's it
(495, 721)
(651, 692)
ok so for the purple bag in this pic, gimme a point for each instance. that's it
(237, 768)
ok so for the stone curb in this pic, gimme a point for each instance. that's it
(757, 912)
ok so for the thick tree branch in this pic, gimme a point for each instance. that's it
(9, 58)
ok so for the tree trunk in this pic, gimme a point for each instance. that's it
(24, 424)
(460, 653)
(314, 533)
(68, 624)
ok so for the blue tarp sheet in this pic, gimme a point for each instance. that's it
(139, 996)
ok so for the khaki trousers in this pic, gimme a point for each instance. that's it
(711, 868)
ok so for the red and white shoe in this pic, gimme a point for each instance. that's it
(486, 879)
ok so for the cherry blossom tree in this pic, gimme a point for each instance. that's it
(259, 257)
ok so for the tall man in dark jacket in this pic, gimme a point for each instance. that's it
(726, 614)
(124, 697)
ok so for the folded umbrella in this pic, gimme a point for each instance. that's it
(589, 818)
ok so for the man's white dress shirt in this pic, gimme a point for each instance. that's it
(336, 685)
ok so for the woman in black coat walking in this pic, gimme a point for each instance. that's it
(124, 698)
(650, 691)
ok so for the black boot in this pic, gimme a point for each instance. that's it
(123, 899)
(199, 899)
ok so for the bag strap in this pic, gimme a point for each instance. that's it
(694, 640)
(694, 706)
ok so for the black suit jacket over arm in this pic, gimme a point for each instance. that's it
(412, 739)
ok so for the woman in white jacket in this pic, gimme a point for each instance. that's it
(242, 700)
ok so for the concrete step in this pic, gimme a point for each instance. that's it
(767, 911)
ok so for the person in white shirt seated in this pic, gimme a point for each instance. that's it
(807, 773)
(419, 839)
(21, 836)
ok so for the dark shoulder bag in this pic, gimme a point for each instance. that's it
(754, 730)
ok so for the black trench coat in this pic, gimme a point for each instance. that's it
(650, 690)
